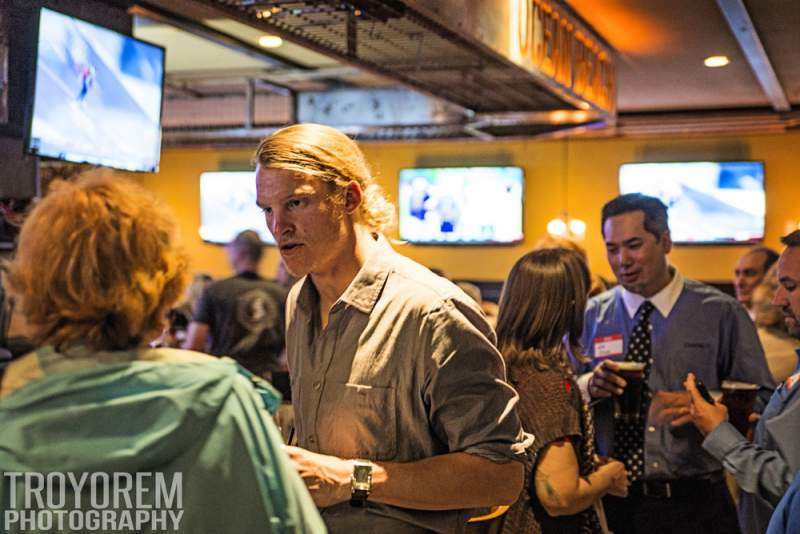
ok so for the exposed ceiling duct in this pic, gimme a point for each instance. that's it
(420, 69)
(542, 61)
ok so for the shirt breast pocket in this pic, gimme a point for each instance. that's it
(364, 423)
(698, 357)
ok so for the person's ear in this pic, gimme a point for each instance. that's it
(353, 196)
(667, 242)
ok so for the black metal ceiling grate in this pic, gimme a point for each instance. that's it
(392, 39)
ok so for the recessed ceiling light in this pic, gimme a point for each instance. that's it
(270, 41)
(716, 61)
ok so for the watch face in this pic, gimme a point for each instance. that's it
(362, 472)
(362, 475)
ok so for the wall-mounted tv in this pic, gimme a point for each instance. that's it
(228, 206)
(461, 205)
(98, 95)
(709, 202)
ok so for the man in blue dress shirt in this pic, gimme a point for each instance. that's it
(673, 326)
(764, 469)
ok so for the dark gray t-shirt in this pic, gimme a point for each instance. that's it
(245, 315)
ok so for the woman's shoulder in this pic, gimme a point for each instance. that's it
(544, 387)
(169, 355)
(20, 372)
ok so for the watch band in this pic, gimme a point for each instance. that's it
(358, 498)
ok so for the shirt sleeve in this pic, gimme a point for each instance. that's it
(203, 310)
(471, 407)
(284, 499)
(786, 519)
(589, 319)
(237, 477)
(588, 350)
(762, 472)
(742, 355)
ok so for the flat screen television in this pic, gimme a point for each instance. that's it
(98, 95)
(461, 205)
(709, 202)
(228, 206)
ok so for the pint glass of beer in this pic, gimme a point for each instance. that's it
(628, 405)
(739, 398)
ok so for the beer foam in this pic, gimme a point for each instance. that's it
(733, 384)
(630, 366)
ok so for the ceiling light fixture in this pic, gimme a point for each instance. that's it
(270, 41)
(716, 61)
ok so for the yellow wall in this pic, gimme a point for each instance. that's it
(590, 167)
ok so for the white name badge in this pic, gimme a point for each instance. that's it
(608, 346)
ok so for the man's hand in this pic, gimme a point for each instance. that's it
(753, 420)
(326, 477)
(671, 407)
(606, 380)
(706, 417)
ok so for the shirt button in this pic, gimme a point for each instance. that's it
(317, 386)
(651, 429)
(656, 465)
(312, 440)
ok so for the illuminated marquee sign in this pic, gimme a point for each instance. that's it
(547, 40)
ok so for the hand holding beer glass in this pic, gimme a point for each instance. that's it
(625, 382)
(736, 405)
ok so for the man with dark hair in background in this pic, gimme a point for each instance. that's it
(672, 326)
(749, 272)
(243, 316)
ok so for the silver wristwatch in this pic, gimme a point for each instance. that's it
(360, 483)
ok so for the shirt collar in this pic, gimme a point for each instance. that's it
(364, 289)
(663, 301)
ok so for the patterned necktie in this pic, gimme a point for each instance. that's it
(629, 435)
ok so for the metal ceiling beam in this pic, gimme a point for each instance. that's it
(283, 76)
(516, 118)
(747, 36)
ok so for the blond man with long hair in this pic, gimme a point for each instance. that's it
(97, 267)
(400, 397)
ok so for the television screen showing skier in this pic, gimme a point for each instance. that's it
(709, 202)
(98, 95)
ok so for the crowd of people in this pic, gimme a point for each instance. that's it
(587, 407)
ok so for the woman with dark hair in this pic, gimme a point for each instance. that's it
(538, 328)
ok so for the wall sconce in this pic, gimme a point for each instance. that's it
(565, 226)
